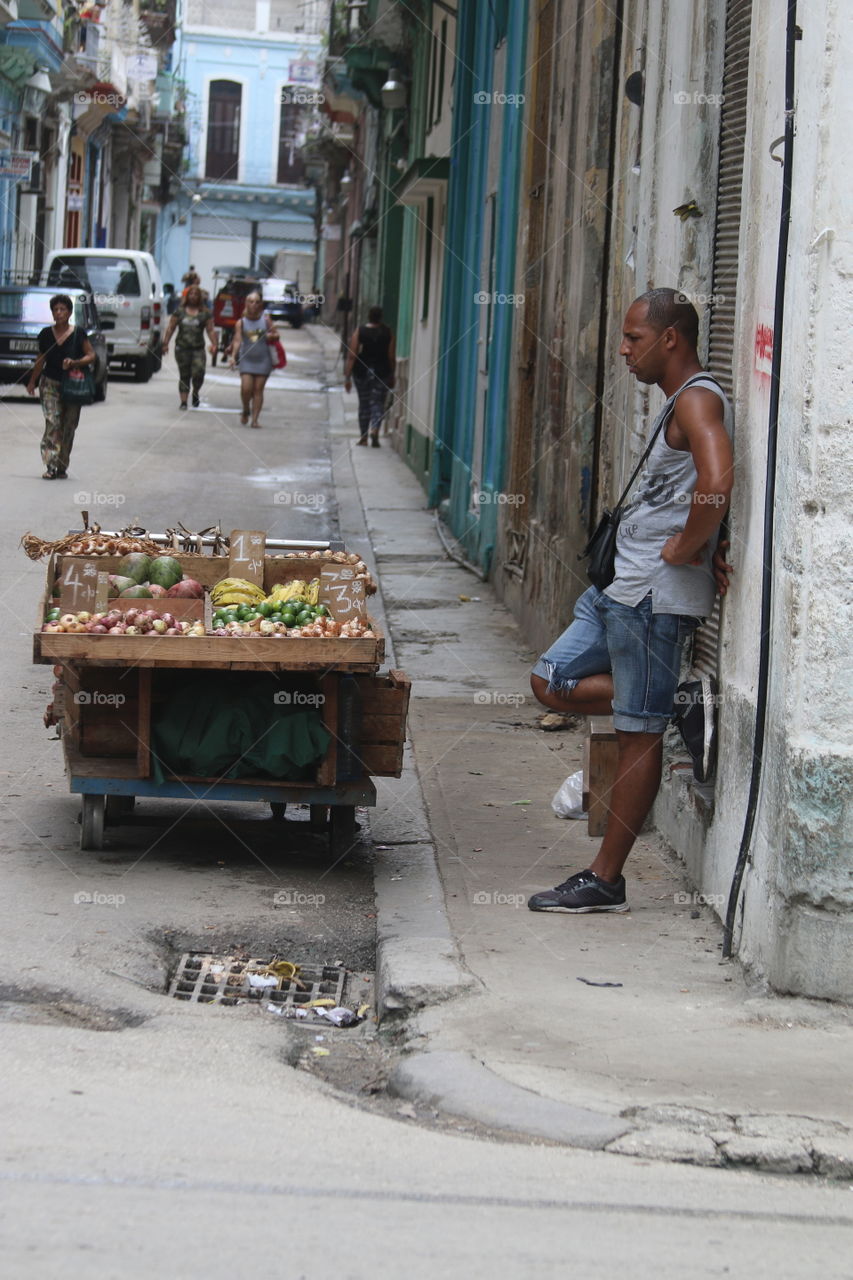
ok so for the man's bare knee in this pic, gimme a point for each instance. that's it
(556, 699)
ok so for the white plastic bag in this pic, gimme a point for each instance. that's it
(568, 802)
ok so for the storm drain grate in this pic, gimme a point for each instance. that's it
(209, 979)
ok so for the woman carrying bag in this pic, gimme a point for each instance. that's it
(63, 374)
(254, 352)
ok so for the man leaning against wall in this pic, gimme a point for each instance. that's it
(622, 653)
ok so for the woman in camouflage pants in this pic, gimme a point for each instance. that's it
(192, 320)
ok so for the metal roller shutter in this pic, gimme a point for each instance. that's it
(726, 260)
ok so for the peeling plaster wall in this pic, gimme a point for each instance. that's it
(796, 921)
(798, 893)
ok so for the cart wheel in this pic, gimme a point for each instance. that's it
(342, 830)
(319, 817)
(118, 808)
(92, 822)
(278, 810)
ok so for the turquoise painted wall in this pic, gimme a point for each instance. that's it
(454, 461)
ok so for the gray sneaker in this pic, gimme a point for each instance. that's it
(582, 892)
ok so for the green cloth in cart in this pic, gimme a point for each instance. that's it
(210, 728)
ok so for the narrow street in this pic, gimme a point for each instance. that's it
(148, 1136)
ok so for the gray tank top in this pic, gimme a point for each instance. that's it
(659, 509)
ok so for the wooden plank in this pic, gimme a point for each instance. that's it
(603, 758)
(327, 772)
(143, 724)
(381, 760)
(103, 737)
(301, 653)
(380, 728)
(71, 677)
(98, 766)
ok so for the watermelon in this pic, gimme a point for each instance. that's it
(119, 583)
(136, 566)
(135, 593)
(186, 589)
(164, 572)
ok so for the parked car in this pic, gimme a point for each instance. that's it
(282, 301)
(128, 293)
(25, 310)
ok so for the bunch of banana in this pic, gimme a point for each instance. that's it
(236, 591)
(296, 592)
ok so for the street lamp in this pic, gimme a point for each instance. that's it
(37, 90)
(393, 91)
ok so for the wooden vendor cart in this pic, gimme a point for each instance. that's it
(109, 687)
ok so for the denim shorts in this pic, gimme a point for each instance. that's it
(640, 649)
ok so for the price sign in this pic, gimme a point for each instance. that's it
(341, 593)
(79, 586)
(246, 556)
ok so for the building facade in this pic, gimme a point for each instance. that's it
(90, 119)
(597, 151)
(243, 196)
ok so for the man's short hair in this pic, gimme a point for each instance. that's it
(671, 309)
(374, 315)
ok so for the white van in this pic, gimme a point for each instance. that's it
(128, 293)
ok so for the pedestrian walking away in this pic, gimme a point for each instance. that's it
(622, 653)
(192, 320)
(62, 347)
(371, 364)
(251, 355)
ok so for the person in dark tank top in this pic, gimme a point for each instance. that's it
(371, 365)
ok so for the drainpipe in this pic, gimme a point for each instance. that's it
(770, 488)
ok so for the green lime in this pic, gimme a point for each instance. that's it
(321, 611)
(289, 618)
(303, 617)
(53, 614)
(265, 609)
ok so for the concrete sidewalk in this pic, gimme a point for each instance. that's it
(679, 1056)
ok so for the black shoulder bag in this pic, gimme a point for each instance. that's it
(601, 548)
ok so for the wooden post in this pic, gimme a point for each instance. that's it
(601, 755)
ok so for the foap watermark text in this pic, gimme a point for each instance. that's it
(94, 499)
(484, 498)
(489, 697)
(94, 698)
(697, 99)
(485, 98)
(295, 698)
(484, 898)
(284, 498)
(484, 299)
(684, 899)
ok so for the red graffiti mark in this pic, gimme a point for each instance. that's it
(763, 348)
